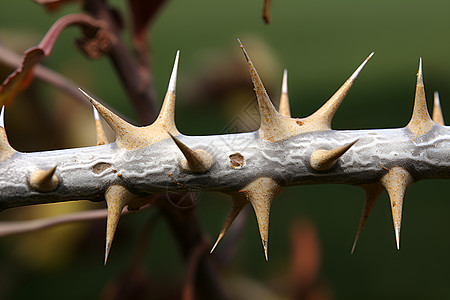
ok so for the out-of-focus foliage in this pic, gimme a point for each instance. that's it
(321, 43)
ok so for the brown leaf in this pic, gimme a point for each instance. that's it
(22, 77)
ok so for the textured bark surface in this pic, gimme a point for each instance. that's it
(86, 173)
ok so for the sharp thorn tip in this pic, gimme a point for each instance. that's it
(420, 66)
(96, 115)
(173, 76)
(284, 88)
(107, 248)
(2, 117)
(266, 252)
(214, 247)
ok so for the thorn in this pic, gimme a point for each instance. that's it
(2, 117)
(325, 159)
(239, 202)
(260, 193)
(173, 77)
(396, 181)
(6, 151)
(284, 108)
(373, 192)
(131, 137)
(127, 135)
(44, 180)
(438, 117)
(197, 161)
(166, 117)
(101, 136)
(270, 119)
(324, 115)
(420, 122)
(117, 197)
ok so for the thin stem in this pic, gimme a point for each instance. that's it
(139, 89)
(18, 227)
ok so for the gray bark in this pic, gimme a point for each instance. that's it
(86, 173)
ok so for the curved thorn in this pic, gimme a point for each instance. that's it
(260, 193)
(239, 202)
(438, 117)
(326, 112)
(373, 192)
(117, 197)
(420, 122)
(196, 160)
(284, 108)
(396, 181)
(270, 118)
(325, 159)
(124, 131)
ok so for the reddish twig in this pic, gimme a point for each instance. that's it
(21, 78)
(18, 227)
(139, 88)
(188, 292)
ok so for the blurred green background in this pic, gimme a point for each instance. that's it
(320, 43)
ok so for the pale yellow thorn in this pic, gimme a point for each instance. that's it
(438, 117)
(284, 108)
(132, 137)
(322, 159)
(323, 116)
(395, 182)
(239, 202)
(197, 161)
(276, 127)
(127, 135)
(44, 180)
(373, 192)
(420, 122)
(270, 118)
(6, 151)
(117, 197)
(166, 117)
(260, 194)
(101, 136)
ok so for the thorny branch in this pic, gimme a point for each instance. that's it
(251, 167)
(139, 85)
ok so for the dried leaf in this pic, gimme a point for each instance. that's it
(21, 78)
